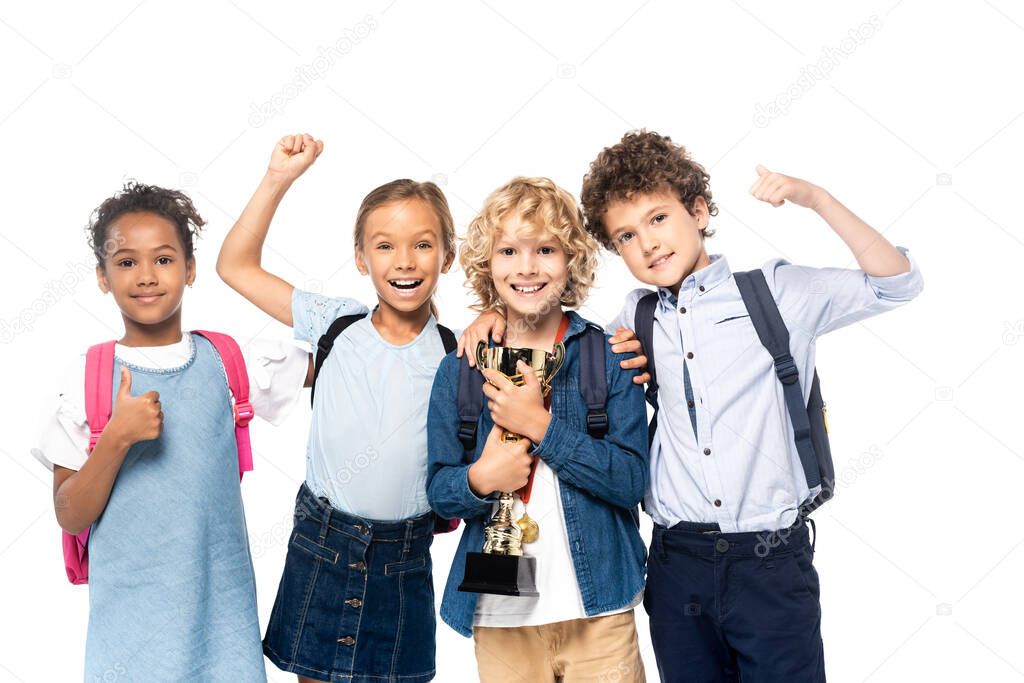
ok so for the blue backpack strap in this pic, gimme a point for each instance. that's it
(594, 380)
(326, 343)
(643, 325)
(470, 401)
(774, 336)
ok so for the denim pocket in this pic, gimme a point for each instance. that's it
(393, 568)
(313, 548)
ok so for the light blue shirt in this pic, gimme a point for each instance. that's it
(724, 451)
(367, 451)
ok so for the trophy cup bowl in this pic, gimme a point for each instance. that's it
(502, 569)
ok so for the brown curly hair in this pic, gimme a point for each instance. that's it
(642, 162)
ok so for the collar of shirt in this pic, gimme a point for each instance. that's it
(700, 282)
(576, 327)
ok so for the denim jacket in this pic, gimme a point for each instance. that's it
(602, 481)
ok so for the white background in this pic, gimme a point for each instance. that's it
(917, 128)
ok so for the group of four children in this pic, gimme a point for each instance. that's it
(172, 593)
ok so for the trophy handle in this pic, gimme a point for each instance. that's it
(481, 349)
(559, 355)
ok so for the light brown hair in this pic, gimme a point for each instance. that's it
(403, 190)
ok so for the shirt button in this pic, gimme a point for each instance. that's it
(690, 354)
(701, 288)
(707, 451)
(722, 545)
(682, 309)
(354, 602)
(347, 640)
(361, 566)
(689, 404)
(718, 503)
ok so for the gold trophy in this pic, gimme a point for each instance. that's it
(501, 568)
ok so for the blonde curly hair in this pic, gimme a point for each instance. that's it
(543, 205)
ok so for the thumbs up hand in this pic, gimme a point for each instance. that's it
(776, 189)
(136, 418)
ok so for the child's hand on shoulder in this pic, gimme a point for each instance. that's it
(488, 325)
(292, 155)
(624, 341)
(777, 189)
(135, 418)
(502, 466)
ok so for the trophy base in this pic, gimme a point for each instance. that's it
(500, 575)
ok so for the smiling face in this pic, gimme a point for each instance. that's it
(403, 252)
(146, 270)
(530, 270)
(659, 240)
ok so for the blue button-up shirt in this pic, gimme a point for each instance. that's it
(601, 481)
(724, 451)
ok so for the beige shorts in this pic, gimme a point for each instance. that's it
(594, 650)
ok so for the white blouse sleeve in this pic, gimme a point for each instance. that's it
(63, 434)
(277, 371)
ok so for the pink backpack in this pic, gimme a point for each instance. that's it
(99, 379)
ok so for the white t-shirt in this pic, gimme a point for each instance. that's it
(277, 371)
(559, 598)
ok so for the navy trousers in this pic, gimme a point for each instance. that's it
(726, 608)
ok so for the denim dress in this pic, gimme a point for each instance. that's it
(172, 595)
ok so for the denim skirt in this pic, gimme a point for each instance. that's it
(356, 600)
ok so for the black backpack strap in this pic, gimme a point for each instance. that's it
(594, 380)
(643, 325)
(470, 400)
(447, 338)
(774, 336)
(822, 448)
(326, 343)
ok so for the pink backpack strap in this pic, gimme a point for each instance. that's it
(99, 387)
(238, 382)
(99, 380)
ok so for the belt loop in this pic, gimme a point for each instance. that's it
(410, 527)
(326, 509)
(659, 543)
(814, 534)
